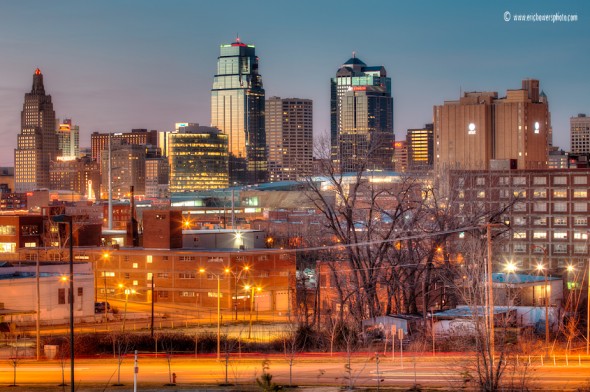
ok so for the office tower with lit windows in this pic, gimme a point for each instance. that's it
(361, 108)
(400, 156)
(289, 136)
(580, 134)
(237, 109)
(420, 144)
(68, 139)
(480, 128)
(80, 175)
(198, 157)
(37, 142)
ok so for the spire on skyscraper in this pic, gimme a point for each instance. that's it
(38, 87)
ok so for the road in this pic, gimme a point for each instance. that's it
(309, 369)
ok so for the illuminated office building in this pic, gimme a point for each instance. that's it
(198, 159)
(580, 134)
(68, 139)
(37, 142)
(480, 127)
(237, 109)
(420, 148)
(289, 135)
(128, 169)
(361, 108)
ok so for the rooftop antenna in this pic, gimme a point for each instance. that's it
(353, 54)
(237, 37)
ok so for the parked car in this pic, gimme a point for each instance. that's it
(99, 307)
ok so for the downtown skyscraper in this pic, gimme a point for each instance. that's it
(289, 134)
(361, 108)
(237, 109)
(37, 143)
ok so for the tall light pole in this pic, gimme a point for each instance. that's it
(127, 291)
(218, 276)
(105, 258)
(543, 268)
(236, 278)
(68, 219)
(252, 289)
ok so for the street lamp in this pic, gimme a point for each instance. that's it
(105, 258)
(236, 278)
(218, 276)
(67, 219)
(127, 291)
(252, 289)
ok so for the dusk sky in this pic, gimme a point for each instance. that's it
(118, 65)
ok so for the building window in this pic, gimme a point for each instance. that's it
(214, 294)
(162, 294)
(135, 265)
(186, 258)
(7, 230)
(187, 293)
(580, 193)
(186, 275)
(540, 180)
(580, 207)
(504, 193)
(480, 181)
(519, 235)
(560, 248)
(126, 275)
(520, 220)
(540, 194)
(61, 296)
(149, 259)
(580, 221)
(503, 181)
(520, 248)
(540, 221)
(578, 235)
(80, 291)
(520, 206)
(162, 274)
(540, 207)
(135, 282)
(560, 235)
(560, 221)
(580, 180)
(580, 248)
(539, 235)
(519, 181)
(560, 207)
(559, 180)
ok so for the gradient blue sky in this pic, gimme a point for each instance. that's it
(116, 65)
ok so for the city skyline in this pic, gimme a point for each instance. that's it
(116, 66)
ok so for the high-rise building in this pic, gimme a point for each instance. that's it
(157, 174)
(68, 139)
(400, 156)
(127, 169)
(420, 144)
(198, 159)
(580, 134)
(37, 142)
(480, 127)
(361, 109)
(100, 141)
(289, 136)
(237, 109)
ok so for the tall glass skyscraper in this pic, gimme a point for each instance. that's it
(237, 109)
(361, 109)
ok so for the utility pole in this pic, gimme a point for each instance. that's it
(490, 291)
